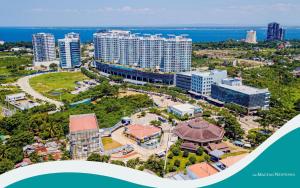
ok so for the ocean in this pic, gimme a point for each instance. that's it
(198, 34)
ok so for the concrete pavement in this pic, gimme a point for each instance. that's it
(23, 83)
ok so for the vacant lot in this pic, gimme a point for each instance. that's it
(109, 143)
(57, 85)
(12, 67)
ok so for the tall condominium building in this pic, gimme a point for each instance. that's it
(177, 54)
(232, 90)
(69, 51)
(43, 47)
(251, 37)
(275, 32)
(149, 51)
(84, 136)
(107, 45)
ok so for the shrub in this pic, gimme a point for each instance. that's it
(172, 168)
(176, 151)
(177, 163)
(170, 156)
(192, 159)
(185, 154)
(188, 163)
(199, 151)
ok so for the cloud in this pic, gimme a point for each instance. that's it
(124, 9)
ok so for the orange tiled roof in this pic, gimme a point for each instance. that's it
(229, 161)
(142, 131)
(83, 122)
(203, 169)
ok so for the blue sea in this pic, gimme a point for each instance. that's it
(198, 34)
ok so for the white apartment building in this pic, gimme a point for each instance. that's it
(149, 51)
(177, 54)
(251, 37)
(43, 47)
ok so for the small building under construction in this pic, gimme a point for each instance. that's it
(84, 136)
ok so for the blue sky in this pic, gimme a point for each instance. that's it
(148, 12)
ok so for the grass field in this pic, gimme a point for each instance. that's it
(57, 85)
(109, 143)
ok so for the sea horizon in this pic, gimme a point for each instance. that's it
(196, 33)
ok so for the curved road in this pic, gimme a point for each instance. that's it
(23, 83)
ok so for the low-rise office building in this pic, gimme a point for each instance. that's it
(233, 91)
(84, 135)
(199, 83)
(185, 109)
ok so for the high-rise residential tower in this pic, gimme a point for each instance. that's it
(149, 51)
(177, 54)
(251, 37)
(43, 47)
(275, 32)
(69, 51)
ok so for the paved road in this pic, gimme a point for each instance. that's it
(23, 83)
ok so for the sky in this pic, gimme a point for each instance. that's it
(148, 12)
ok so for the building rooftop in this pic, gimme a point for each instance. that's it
(142, 131)
(184, 107)
(202, 170)
(199, 130)
(244, 89)
(83, 122)
(229, 161)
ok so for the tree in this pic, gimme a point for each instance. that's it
(192, 159)
(34, 158)
(53, 66)
(232, 127)
(117, 162)
(14, 154)
(5, 165)
(131, 163)
(156, 123)
(155, 164)
(99, 158)
(199, 151)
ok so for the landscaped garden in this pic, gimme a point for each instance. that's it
(57, 85)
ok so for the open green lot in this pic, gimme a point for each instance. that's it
(12, 66)
(57, 85)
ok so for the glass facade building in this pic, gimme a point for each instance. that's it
(69, 51)
(248, 97)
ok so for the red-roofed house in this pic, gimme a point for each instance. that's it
(142, 133)
(84, 135)
(201, 170)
